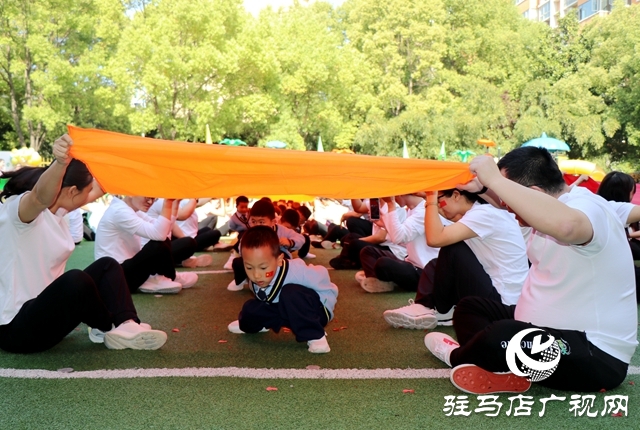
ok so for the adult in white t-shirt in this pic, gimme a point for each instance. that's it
(481, 254)
(578, 299)
(149, 268)
(40, 303)
(382, 270)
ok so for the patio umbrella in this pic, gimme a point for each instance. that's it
(233, 142)
(464, 154)
(320, 147)
(276, 144)
(207, 138)
(549, 143)
(405, 151)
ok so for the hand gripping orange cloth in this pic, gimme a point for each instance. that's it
(139, 166)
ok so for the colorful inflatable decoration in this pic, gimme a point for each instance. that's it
(134, 165)
(579, 167)
(25, 157)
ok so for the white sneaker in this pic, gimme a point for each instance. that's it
(360, 277)
(310, 255)
(445, 319)
(158, 284)
(329, 245)
(186, 279)
(235, 287)
(415, 316)
(234, 327)
(441, 345)
(97, 336)
(375, 285)
(229, 264)
(319, 346)
(133, 336)
(203, 260)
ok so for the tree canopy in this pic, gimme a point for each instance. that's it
(365, 76)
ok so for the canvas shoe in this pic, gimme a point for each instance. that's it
(158, 284)
(441, 345)
(445, 319)
(133, 336)
(202, 260)
(375, 285)
(319, 346)
(186, 279)
(310, 255)
(234, 327)
(415, 316)
(235, 287)
(475, 380)
(360, 277)
(97, 336)
(229, 264)
(222, 247)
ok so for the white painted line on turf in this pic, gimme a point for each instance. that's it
(240, 372)
(234, 372)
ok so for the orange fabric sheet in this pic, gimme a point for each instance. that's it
(132, 165)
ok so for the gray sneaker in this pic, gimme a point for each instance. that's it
(414, 316)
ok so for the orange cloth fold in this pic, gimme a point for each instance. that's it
(132, 165)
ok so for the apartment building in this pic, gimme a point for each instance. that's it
(550, 11)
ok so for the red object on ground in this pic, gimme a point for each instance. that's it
(408, 391)
(272, 388)
(223, 341)
(590, 184)
(175, 330)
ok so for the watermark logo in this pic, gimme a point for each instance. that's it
(543, 359)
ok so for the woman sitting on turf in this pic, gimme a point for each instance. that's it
(481, 254)
(40, 303)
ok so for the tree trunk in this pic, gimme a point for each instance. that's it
(15, 109)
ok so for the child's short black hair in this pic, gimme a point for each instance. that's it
(259, 236)
(291, 216)
(262, 208)
(304, 211)
(241, 199)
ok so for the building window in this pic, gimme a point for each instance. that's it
(544, 12)
(569, 3)
(592, 7)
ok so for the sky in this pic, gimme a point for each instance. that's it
(255, 6)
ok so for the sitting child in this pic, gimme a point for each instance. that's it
(239, 222)
(291, 219)
(263, 213)
(288, 293)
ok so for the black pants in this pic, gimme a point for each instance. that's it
(153, 259)
(304, 249)
(298, 308)
(335, 233)
(182, 248)
(455, 274)
(205, 238)
(352, 247)
(359, 226)
(484, 327)
(384, 265)
(97, 296)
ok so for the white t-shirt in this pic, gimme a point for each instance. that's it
(121, 229)
(398, 249)
(32, 255)
(74, 218)
(589, 288)
(411, 234)
(499, 247)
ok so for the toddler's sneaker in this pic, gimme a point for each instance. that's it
(186, 279)
(229, 264)
(97, 336)
(234, 327)
(441, 345)
(414, 316)
(235, 287)
(202, 260)
(133, 336)
(360, 277)
(475, 380)
(158, 284)
(310, 255)
(319, 346)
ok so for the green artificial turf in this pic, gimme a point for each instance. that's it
(359, 338)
